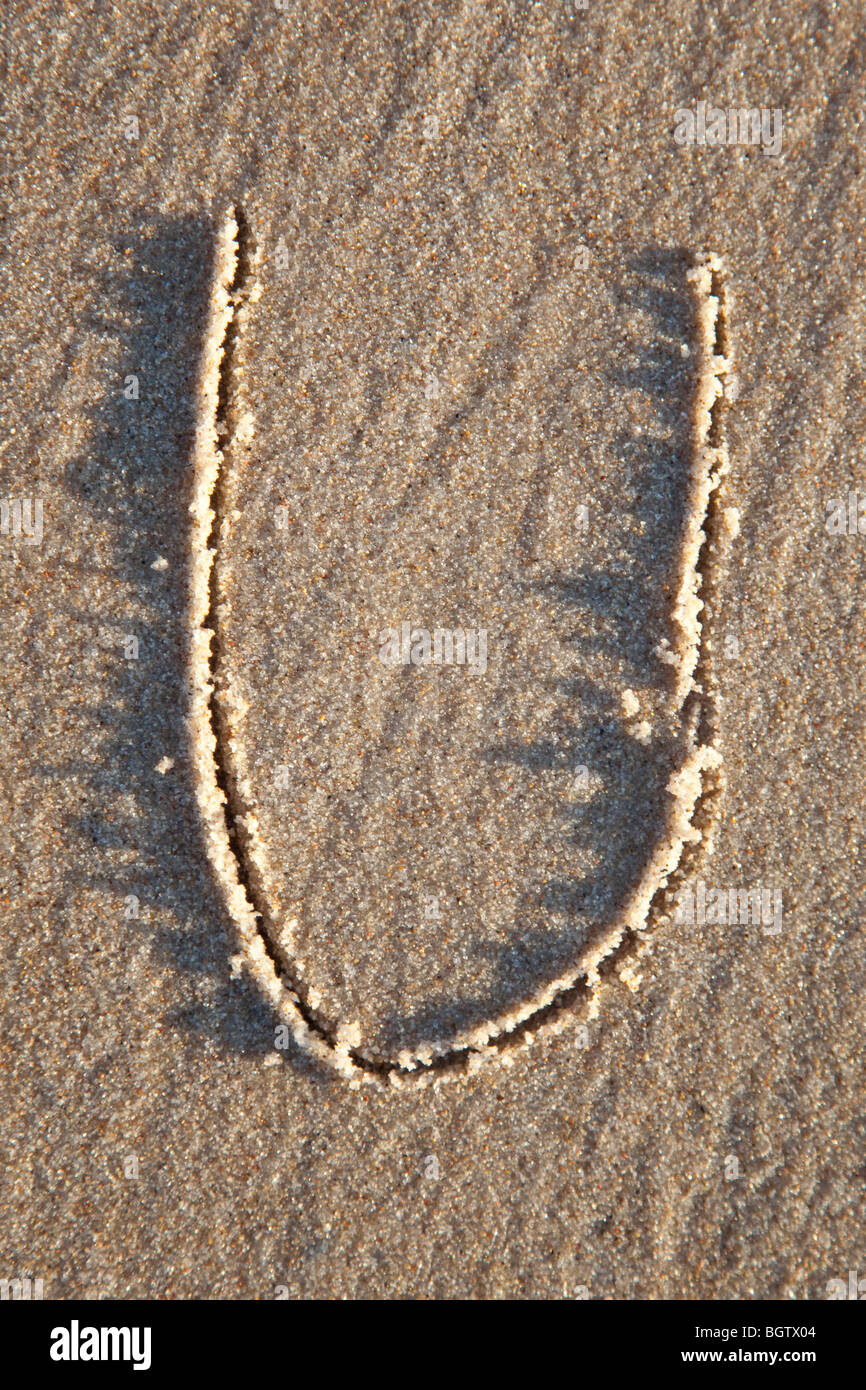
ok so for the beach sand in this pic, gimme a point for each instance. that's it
(460, 391)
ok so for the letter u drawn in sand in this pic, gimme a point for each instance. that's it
(694, 790)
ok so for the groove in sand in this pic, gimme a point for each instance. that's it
(236, 850)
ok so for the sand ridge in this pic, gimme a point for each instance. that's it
(237, 852)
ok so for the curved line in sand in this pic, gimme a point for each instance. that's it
(223, 788)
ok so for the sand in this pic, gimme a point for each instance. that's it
(465, 369)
